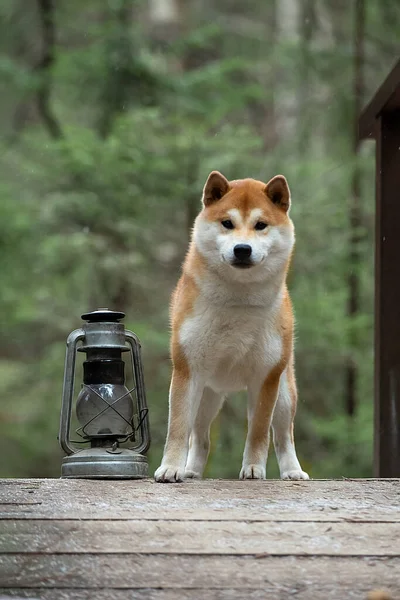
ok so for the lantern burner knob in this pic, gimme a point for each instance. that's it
(103, 315)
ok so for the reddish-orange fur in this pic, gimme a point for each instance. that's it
(244, 196)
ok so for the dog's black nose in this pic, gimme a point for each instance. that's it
(242, 251)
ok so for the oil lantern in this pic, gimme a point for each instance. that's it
(110, 415)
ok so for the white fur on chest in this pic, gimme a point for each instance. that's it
(231, 342)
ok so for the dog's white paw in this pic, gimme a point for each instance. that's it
(169, 474)
(252, 472)
(294, 475)
(192, 475)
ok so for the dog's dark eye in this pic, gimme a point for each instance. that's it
(227, 224)
(260, 226)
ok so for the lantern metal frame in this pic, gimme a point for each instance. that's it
(109, 460)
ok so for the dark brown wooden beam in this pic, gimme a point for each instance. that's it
(387, 296)
(380, 120)
(387, 98)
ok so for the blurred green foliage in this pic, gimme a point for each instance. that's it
(97, 211)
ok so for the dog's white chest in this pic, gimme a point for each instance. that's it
(230, 347)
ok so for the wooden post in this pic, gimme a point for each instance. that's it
(387, 296)
(381, 120)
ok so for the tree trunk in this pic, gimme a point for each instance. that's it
(118, 56)
(355, 209)
(172, 19)
(306, 28)
(46, 12)
(288, 34)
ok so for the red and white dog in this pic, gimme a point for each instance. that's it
(232, 329)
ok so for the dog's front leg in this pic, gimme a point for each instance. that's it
(184, 398)
(282, 427)
(261, 403)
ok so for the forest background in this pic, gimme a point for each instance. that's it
(112, 114)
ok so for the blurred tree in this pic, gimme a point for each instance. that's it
(112, 116)
(44, 67)
(355, 210)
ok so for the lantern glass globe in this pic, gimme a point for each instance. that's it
(105, 410)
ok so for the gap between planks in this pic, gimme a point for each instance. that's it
(193, 519)
(280, 592)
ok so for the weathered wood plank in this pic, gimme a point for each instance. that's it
(202, 572)
(294, 516)
(371, 500)
(200, 537)
(234, 540)
(279, 593)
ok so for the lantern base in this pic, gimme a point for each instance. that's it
(97, 463)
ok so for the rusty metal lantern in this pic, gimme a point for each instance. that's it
(108, 413)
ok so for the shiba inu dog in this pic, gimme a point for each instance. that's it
(232, 329)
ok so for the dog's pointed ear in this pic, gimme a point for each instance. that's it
(278, 192)
(215, 188)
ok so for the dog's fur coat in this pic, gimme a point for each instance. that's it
(232, 329)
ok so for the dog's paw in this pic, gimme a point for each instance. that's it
(169, 474)
(252, 472)
(294, 475)
(192, 475)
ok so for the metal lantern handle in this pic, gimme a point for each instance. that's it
(68, 390)
(134, 343)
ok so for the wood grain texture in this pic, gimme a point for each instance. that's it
(200, 537)
(271, 500)
(135, 571)
(216, 540)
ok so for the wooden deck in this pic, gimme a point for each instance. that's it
(252, 540)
